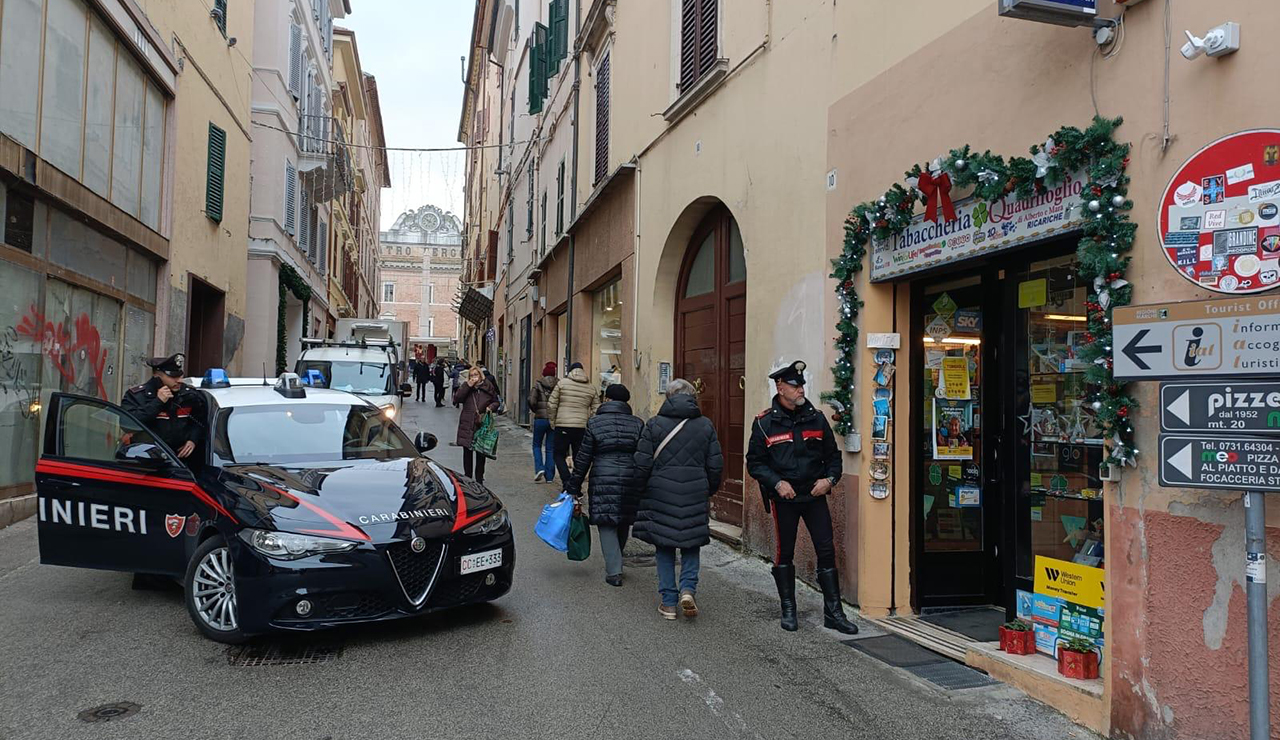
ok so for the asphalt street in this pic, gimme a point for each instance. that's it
(563, 655)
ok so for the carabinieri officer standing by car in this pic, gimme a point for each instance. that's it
(794, 456)
(167, 407)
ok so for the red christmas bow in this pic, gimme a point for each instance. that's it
(937, 190)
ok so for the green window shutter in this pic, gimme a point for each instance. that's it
(215, 180)
(560, 30)
(535, 52)
(543, 60)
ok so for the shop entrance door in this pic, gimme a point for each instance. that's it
(957, 489)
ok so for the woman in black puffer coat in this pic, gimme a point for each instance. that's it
(678, 481)
(608, 452)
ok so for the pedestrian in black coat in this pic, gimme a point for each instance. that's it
(679, 460)
(608, 451)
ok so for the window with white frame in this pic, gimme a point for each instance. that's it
(388, 292)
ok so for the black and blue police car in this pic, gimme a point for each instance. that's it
(303, 508)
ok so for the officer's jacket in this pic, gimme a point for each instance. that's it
(177, 422)
(796, 446)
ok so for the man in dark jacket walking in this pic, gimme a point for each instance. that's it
(679, 462)
(608, 451)
(794, 457)
(437, 379)
(421, 375)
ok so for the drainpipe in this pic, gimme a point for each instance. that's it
(573, 180)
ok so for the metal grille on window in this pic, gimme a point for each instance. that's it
(220, 15)
(602, 119)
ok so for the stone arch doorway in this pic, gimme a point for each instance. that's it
(711, 343)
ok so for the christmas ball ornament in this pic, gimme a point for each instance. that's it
(960, 164)
(1117, 201)
(1095, 206)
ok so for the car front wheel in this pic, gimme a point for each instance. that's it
(211, 592)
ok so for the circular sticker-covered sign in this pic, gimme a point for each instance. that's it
(1220, 215)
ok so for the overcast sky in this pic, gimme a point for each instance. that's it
(414, 48)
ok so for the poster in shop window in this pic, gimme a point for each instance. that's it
(1219, 218)
(952, 429)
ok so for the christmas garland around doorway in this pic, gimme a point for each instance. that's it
(1101, 256)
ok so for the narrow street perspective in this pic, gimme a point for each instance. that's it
(562, 655)
(639, 369)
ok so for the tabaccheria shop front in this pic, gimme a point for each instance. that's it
(990, 421)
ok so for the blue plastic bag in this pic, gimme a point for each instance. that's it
(553, 526)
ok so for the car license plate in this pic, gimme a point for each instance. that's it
(479, 561)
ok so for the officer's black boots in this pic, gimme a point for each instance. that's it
(785, 577)
(832, 610)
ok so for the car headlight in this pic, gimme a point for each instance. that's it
(288, 546)
(492, 523)
(388, 411)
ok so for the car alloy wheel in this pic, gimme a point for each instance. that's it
(215, 591)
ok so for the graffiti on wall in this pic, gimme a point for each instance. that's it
(74, 349)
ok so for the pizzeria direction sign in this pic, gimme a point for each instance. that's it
(980, 227)
(1220, 462)
(1231, 406)
(1220, 214)
(1198, 340)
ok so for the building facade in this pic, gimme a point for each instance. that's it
(302, 170)
(123, 164)
(978, 449)
(420, 269)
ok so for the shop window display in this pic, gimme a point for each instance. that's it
(1064, 441)
(607, 333)
(20, 402)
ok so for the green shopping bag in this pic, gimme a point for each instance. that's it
(485, 438)
(579, 538)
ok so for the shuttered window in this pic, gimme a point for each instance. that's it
(220, 15)
(697, 40)
(602, 119)
(290, 198)
(304, 228)
(295, 60)
(528, 222)
(215, 178)
(560, 199)
(543, 233)
(539, 61)
(559, 35)
(322, 248)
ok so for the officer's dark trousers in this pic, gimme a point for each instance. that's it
(817, 519)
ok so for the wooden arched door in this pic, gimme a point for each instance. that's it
(711, 343)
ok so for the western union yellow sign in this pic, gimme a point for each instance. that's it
(1079, 584)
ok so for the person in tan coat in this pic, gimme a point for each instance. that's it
(572, 403)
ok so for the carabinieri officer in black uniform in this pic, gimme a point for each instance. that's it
(793, 455)
(167, 406)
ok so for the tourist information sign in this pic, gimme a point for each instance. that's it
(1197, 340)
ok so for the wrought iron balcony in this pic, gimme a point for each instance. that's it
(325, 165)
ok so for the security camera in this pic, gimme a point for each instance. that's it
(1219, 41)
(1193, 48)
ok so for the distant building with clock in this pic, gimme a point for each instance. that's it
(420, 259)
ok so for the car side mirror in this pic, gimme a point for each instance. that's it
(406, 390)
(425, 441)
(144, 454)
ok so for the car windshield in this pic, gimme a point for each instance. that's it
(307, 432)
(369, 378)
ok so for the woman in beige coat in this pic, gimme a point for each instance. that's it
(572, 402)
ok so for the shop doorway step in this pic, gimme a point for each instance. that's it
(978, 623)
(938, 639)
(727, 533)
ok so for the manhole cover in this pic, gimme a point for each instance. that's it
(109, 712)
(271, 654)
(952, 676)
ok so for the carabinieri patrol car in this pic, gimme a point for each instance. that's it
(304, 508)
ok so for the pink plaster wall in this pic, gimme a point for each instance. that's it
(1176, 672)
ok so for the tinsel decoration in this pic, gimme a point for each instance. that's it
(290, 282)
(1101, 257)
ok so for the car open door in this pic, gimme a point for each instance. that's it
(111, 495)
